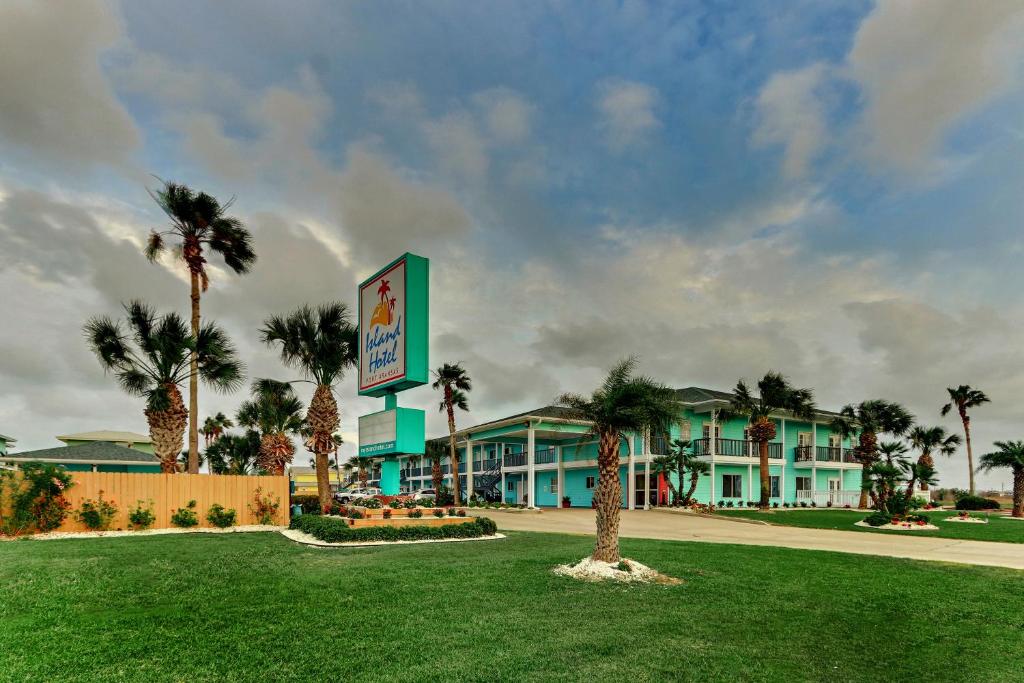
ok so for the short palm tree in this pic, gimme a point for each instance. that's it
(436, 452)
(1010, 455)
(453, 380)
(183, 461)
(866, 420)
(150, 357)
(350, 466)
(234, 453)
(964, 397)
(202, 225)
(276, 413)
(677, 461)
(881, 480)
(929, 440)
(919, 474)
(624, 403)
(775, 395)
(894, 452)
(213, 427)
(323, 344)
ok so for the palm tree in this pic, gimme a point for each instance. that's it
(1011, 455)
(964, 397)
(322, 343)
(150, 358)
(894, 452)
(201, 224)
(182, 464)
(677, 461)
(775, 394)
(213, 427)
(867, 420)
(928, 439)
(208, 429)
(454, 381)
(623, 403)
(350, 465)
(435, 451)
(697, 469)
(234, 453)
(275, 412)
(919, 473)
(880, 480)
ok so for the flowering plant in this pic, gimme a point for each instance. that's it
(264, 507)
(98, 514)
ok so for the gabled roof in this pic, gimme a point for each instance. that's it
(106, 435)
(98, 452)
(695, 395)
(8, 439)
(549, 412)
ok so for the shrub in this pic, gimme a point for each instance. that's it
(451, 512)
(445, 497)
(265, 507)
(976, 503)
(140, 517)
(338, 531)
(775, 504)
(220, 517)
(426, 502)
(97, 515)
(387, 513)
(36, 499)
(828, 504)
(878, 519)
(310, 504)
(371, 503)
(460, 512)
(415, 514)
(395, 504)
(438, 512)
(409, 504)
(353, 513)
(185, 517)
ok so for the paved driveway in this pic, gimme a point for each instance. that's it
(680, 527)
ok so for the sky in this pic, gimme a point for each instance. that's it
(832, 190)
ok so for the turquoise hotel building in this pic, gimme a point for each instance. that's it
(540, 456)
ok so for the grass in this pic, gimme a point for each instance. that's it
(247, 607)
(1001, 530)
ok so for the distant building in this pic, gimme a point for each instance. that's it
(6, 443)
(304, 480)
(100, 451)
(139, 442)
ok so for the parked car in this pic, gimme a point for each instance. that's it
(353, 496)
(425, 493)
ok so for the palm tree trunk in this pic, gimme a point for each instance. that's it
(926, 459)
(766, 489)
(322, 417)
(693, 487)
(607, 498)
(453, 454)
(167, 429)
(435, 473)
(193, 384)
(970, 452)
(1018, 492)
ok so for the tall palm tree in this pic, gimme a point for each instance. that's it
(234, 453)
(350, 466)
(322, 343)
(276, 413)
(435, 450)
(1009, 455)
(964, 397)
(623, 403)
(208, 429)
(929, 439)
(454, 382)
(775, 395)
(866, 420)
(183, 461)
(201, 224)
(150, 357)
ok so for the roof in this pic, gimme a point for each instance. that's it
(703, 395)
(97, 452)
(8, 439)
(107, 435)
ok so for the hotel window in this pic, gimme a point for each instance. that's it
(835, 440)
(510, 485)
(774, 485)
(706, 431)
(732, 486)
(554, 485)
(803, 484)
(803, 439)
(590, 482)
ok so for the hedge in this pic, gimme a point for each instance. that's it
(331, 530)
(976, 503)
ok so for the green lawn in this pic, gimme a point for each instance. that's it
(259, 607)
(1003, 530)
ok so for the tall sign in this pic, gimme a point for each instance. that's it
(393, 356)
(393, 314)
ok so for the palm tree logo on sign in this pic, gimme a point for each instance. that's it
(382, 313)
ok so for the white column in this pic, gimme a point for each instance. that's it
(531, 446)
(647, 483)
(782, 477)
(712, 448)
(814, 461)
(630, 479)
(561, 476)
(469, 469)
(750, 480)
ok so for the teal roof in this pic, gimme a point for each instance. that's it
(95, 452)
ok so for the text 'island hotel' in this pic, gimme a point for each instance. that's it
(542, 457)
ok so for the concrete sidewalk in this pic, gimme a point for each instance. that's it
(671, 526)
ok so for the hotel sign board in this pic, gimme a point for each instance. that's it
(393, 319)
(393, 431)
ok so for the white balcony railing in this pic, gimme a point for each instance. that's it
(838, 499)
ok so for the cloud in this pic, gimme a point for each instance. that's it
(626, 110)
(792, 114)
(381, 208)
(507, 114)
(459, 146)
(924, 65)
(57, 107)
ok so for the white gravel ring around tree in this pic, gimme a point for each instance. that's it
(900, 527)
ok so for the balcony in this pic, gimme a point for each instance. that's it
(515, 459)
(659, 445)
(825, 454)
(545, 457)
(739, 448)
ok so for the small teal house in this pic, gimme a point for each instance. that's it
(102, 451)
(544, 455)
(6, 443)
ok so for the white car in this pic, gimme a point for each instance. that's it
(355, 495)
(425, 493)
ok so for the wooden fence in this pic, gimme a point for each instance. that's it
(171, 491)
